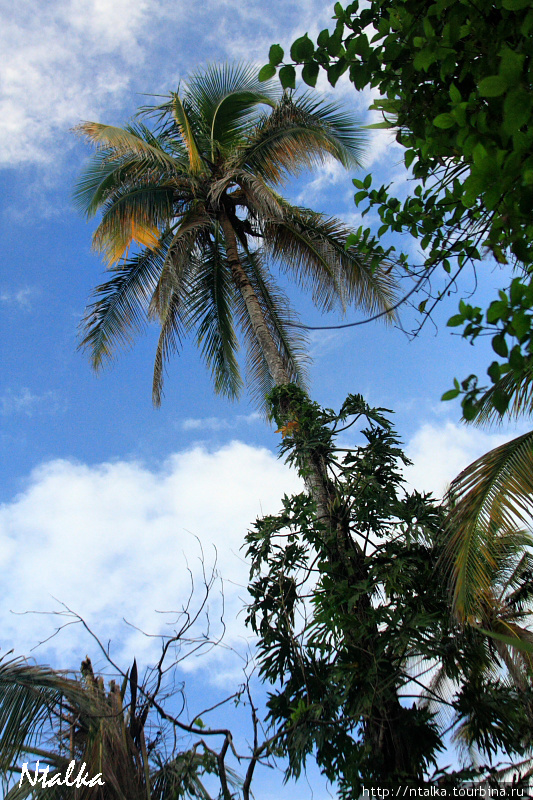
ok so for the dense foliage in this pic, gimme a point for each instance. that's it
(354, 619)
(454, 78)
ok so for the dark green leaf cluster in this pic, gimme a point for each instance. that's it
(353, 615)
(508, 321)
(455, 80)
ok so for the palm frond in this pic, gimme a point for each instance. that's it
(519, 392)
(107, 176)
(170, 301)
(226, 99)
(30, 697)
(127, 142)
(211, 305)
(183, 122)
(346, 140)
(182, 776)
(133, 214)
(122, 304)
(489, 500)
(299, 134)
(312, 248)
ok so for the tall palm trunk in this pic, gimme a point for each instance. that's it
(277, 368)
(316, 478)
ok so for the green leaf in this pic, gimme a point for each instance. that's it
(517, 291)
(493, 86)
(444, 121)
(334, 44)
(499, 345)
(367, 182)
(455, 94)
(494, 372)
(512, 641)
(287, 76)
(409, 157)
(378, 126)
(516, 359)
(500, 401)
(323, 38)
(275, 55)
(516, 109)
(456, 320)
(302, 49)
(511, 64)
(515, 5)
(310, 73)
(469, 410)
(521, 323)
(424, 59)
(520, 250)
(334, 71)
(266, 72)
(451, 394)
(496, 311)
(479, 153)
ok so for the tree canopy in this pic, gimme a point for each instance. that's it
(370, 669)
(454, 78)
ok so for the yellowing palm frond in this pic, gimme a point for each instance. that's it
(116, 244)
(122, 142)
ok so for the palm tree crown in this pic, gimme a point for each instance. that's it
(197, 196)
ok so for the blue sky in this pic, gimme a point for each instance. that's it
(99, 490)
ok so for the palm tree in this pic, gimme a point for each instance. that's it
(490, 501)
(488, 557)
(58, 719)
(197, 194)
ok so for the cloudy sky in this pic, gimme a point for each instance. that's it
(106, 502)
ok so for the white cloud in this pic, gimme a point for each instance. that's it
(20, 297)
(62, 62)
(24, 401)
(67, 60)
(117, 540)
(327, 175)
(219, 423)
(205, 424)
(323, 343)
(440, 452)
